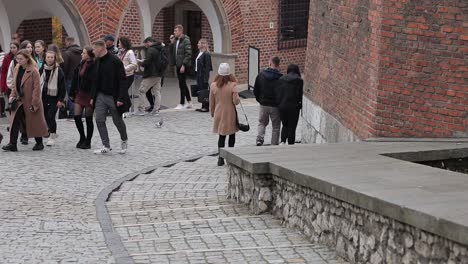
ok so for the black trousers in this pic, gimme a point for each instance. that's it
(50, 111)
(289, 119)
(222, 141)
(19, 122)
(184, 90)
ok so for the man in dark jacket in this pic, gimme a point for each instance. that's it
(183, 60)
(154, 70)
(71, 60)
(264, 90)
(109, 93)
(111, 48)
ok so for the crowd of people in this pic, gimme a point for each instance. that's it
(93, 82)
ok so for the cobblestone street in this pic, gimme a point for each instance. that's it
(47, 199)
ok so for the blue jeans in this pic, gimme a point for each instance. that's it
(70, 104)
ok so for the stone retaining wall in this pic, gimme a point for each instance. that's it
(358, 235)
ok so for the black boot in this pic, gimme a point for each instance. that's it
(10, 147)
(220, 161)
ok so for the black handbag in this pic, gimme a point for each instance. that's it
(194, 90)
(204, 96)
(242, 127)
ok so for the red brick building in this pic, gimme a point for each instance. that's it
(379, 68)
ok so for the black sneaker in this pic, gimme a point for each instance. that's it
(24, 141)
(38, 147)
(220, 161)
(80, 143)
(1, 138)
(10, 147)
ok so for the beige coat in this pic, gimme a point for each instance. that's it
(35, 122)
(222, 106)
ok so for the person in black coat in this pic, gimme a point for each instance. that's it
(80, 93)
(109, 93)
(203, 67)
(289, 99)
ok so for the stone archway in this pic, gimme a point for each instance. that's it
(64, 10)
(213, 10)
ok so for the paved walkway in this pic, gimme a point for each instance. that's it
(180, 214)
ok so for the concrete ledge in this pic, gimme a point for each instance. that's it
(368, 176)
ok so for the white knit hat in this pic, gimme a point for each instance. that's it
(224, 69)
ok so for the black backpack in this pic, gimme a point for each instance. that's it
(161, 61)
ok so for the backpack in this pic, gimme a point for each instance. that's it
(162, 61)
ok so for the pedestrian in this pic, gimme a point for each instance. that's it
(111, 48)
(26, 95)
(183, 60)
(53, 93)
(264, 90)
(289, 99)
(58, 53)
(127, 56)
(3, 56)
(223, 100)
(5, 71)
(154, 70)
(71, 60)
(203, 67)
(39, 54)
(80, 93)
(109, 93)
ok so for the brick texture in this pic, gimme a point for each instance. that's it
(36, 29)
(131, 24)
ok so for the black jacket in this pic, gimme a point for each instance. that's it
(289, 91)
(204, 67)
(110, 80)
(82, 83)
(265, 86)
(152, 54)
(61, 90)
(71, 60)
(184, 52)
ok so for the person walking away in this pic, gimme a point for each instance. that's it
(223, 100)
(80, 93)
(128, 58)
(29, 112)
(183, 60)
(5, 71)
(71, 60)
(53, 93)
(203, 67)
(155, 65)
(111, 48)
(39, 54)
(264, 91)
(289, 99)
(109, 93)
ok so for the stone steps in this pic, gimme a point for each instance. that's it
(180, 214)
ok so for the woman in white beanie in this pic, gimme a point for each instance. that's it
(223, 100)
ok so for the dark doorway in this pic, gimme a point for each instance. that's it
(193, 20)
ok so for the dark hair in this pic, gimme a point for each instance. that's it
(100, 43)
(293, 68)
(179, 27)
(149, 39)
(126, 43)
(1, 50)
(70, 39)
(89, 51)
(276, 61)
(16, 44)
(24, 44)
(221, 80)
(42, 43)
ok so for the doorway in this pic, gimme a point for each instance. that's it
(193, 20)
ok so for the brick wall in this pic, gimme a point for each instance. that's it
(131, 24)
(341, 64)
(423, 80)
(35, 29)
(163, 26)
(206, 31)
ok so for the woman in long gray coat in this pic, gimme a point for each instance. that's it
(29, 110)
(223, 100)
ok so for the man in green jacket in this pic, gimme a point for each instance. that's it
(183, 60)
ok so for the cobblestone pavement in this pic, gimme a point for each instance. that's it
(180, 214)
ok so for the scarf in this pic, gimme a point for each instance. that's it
(52, 84)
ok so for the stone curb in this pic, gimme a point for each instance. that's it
(115, 245)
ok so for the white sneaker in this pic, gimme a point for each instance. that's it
(123, 147)
(51, 140)
(139, 113)
(188, 105)
(179, 107)
(155, 112)
(103, 151)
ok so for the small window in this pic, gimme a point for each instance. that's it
(293, 23)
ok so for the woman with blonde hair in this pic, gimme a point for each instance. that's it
(25, 99)
(223, 100)
(203, 67)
